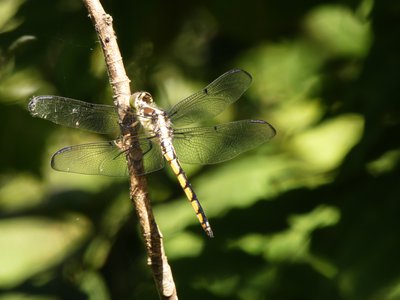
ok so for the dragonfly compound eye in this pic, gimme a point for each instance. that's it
(140, 97)
(146, 97)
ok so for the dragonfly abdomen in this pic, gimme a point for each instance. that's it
(170, 156)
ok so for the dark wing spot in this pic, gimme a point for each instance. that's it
(205, 90)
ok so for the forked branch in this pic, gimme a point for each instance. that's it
(138, 186)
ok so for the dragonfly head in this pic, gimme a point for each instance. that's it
(143, 104)
(139, 99)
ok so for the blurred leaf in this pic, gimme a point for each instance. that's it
(292, 244)
(386, 163)
(8, 9)
(302, 115)
(283, 72)
(339, 31)
(110, 223)
(21, 41)
(20, 85)
(95, 286)
(12, 199)
(29, 239)
(325, 147)
(183, 245)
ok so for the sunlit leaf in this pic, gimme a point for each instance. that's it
(324, 147)
(339, 30)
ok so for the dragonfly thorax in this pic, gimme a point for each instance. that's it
(153, 119)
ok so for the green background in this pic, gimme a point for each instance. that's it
(313, 214)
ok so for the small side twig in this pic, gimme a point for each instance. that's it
(138, 185)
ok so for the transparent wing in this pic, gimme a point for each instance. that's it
(211, 100)
(152, 157)
(215, 144)
(104, 158)
(74, 113)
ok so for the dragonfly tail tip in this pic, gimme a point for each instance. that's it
(210, 233)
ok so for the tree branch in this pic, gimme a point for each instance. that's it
(138, 185)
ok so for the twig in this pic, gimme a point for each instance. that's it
(138, 184)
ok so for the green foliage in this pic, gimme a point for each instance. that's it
(312, 215)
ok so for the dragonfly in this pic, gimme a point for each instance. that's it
(164, 134)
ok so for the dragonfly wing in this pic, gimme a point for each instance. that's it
(104, 158)
(74, 113)
(211, 100)
(215, 144)
(152, 157)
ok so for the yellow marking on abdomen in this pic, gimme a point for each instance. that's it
(190, 194)
(182, 179)
(175, 166)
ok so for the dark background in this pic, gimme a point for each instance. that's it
(314, 214)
